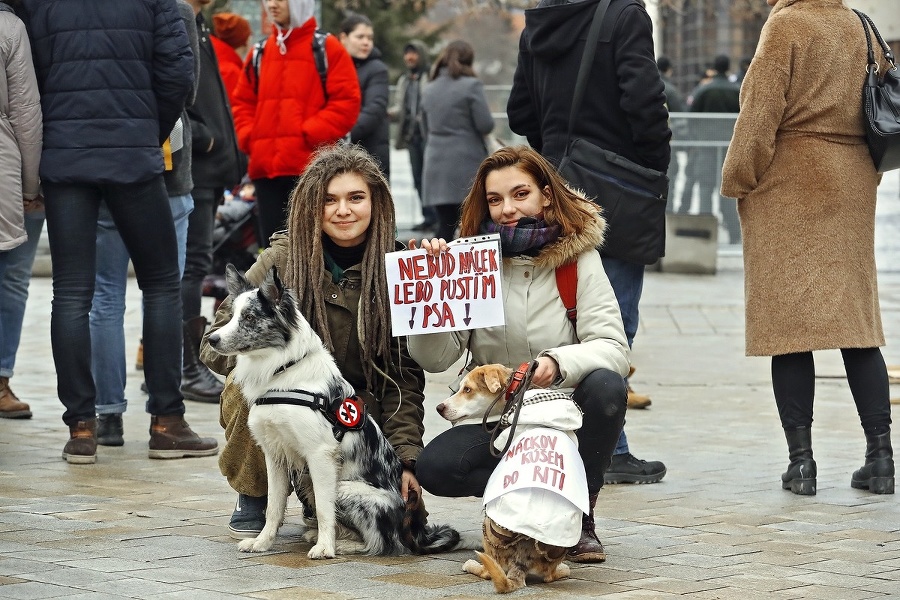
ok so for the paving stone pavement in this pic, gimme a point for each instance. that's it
(719, 526)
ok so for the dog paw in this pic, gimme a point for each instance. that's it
(310, 536)
(471, 565)
(320, 551)
(254, 545)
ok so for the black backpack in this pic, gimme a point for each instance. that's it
(318, 47)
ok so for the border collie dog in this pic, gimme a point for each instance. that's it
(305, 415)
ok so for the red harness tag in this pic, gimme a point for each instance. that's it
(350, 412)
(516, 380)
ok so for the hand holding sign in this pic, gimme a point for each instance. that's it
(445, 287)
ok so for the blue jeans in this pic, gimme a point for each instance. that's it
(14, 292)
(144, 220)
(108, 308)
(627, 281)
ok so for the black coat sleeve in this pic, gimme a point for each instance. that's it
(642, 97)
(173, 66)
(375, 101)
(523, 116)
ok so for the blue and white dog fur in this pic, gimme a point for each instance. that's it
(355, 475)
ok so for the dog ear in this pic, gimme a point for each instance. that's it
(271, 288)
(237, 283)
(494, 379)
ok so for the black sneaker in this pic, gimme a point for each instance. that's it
(626, 468)
(248, 518)
(109, 430)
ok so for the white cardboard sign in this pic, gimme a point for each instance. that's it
(460, 289)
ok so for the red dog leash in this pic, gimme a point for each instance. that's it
(514, 395)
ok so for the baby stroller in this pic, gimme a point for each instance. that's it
(234, 239)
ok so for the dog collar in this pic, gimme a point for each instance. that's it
(516, 380)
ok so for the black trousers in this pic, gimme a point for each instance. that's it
(458, 462)
(793, 381)
(198, 256)
(273, 197)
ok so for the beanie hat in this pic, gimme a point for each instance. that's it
(232, 29)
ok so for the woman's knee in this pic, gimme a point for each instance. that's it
(602, 392)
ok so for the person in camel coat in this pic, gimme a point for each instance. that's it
(806, 187)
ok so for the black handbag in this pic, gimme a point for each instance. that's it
(881, 104)
(633, 198)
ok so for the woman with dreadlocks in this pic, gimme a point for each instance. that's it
(340, 225)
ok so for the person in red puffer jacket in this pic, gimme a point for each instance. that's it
(231, 40)
(282, 112)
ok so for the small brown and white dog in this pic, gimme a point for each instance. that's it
(508, 557)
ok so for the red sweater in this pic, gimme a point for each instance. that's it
(280, 125)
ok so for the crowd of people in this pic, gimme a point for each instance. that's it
(130, 150)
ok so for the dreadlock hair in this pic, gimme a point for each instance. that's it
(306, 262)
(567, 207)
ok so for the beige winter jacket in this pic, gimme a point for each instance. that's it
(21, 131)
(536, 321)
(806, 186)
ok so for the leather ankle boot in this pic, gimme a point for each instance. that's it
(197, 381)
(172, 437)
(877, 475)
(588, 549)
(81, 449)
(109, 430)
(800, 476)
(10, 406)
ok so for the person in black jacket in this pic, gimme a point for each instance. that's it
(624, 110)
(718, 95)
(372, 130)
(128, 68)
(216, 165)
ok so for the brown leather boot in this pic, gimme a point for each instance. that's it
(636, 400)
(172, 437)
(81, 449)
(588, 549)
(10, 406)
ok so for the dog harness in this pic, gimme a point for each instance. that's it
(344, 414)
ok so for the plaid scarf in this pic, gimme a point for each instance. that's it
(527, 237)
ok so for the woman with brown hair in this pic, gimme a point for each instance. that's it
(543, 225)
(456, 118)
(340, 225)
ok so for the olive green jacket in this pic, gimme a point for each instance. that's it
(396, 405)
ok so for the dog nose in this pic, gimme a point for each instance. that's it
(441, 408)
(214, 340)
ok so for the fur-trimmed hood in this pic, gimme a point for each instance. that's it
(568, 247)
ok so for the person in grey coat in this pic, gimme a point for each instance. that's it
(20, 137)
(456, 117)
(20, 155)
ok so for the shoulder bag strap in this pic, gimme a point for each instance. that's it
(885, 49)
(587, 59)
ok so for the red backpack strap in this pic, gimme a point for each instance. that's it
(567, 284)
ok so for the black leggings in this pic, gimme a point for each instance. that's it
(458, 462)
(793, 381)
(448, 219)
